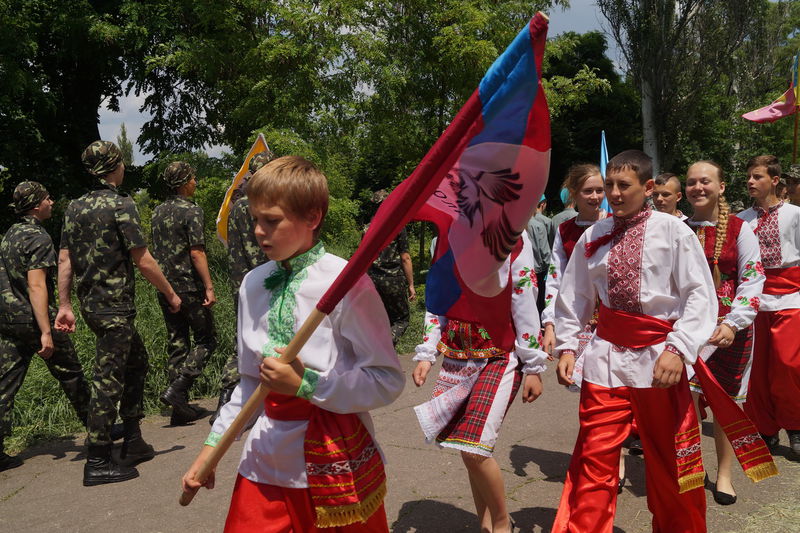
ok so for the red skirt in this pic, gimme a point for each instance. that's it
(272, 509)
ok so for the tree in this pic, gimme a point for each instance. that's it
(676, 51)
(125, 145)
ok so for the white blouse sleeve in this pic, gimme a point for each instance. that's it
(553, 280)
(524, 311)
(431, 333)
(751, 280)
(698, 316)
(367, 372)
(575, 301)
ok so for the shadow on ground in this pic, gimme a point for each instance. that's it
(431, 516)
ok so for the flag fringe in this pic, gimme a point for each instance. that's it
(344, 515)
(691, 482)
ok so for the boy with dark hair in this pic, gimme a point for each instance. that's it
(773, 401)
(27, 306)
(667, 193)
(657, 307)
(179, 248)
(348, 367)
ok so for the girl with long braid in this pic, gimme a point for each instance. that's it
(734, 258)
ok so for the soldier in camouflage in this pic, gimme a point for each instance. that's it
(179, 248)
(100, 241)
(27, 307)
(244, 254)
(393, 276)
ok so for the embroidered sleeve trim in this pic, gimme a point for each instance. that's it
(213, 439)
(308, 385)
(673, 349)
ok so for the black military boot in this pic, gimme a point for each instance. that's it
(224, 397)
(794, 440)
(772, 442)
(7, 462)
(175, 396)
(134, 449)
(100, 469)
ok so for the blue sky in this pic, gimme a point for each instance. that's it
(582, 16)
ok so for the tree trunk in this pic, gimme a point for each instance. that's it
(650, 131)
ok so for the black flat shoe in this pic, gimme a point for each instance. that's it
(723, 498)
(621, 484)
(635, 447)
(707, 483)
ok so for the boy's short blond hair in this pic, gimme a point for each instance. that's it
(293, 183)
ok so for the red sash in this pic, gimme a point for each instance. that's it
(632, 330)
(343, 466)
(637, 331)
(782, 280)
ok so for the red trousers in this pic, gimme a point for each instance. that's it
(589, 499)
(773, 396)
(270, 509)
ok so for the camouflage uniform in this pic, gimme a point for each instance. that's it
(244, 254)
(100, 229)
(387, 275)
(27, 246)
(177, 227)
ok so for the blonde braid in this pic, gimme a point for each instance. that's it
(722, 232)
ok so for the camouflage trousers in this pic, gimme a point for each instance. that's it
(120, 369)
(183, 359)
(230, 372)
(394, 294)
(18, 344)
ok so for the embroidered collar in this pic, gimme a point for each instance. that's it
(296, 265)
(760, 211)
(620, 226)
(284, 284)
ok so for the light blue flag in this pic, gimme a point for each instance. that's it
(603, 162)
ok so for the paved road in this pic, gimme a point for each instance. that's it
(428, 489)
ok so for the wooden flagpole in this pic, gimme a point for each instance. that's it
(254, 403)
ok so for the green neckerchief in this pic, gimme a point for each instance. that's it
(283, 284)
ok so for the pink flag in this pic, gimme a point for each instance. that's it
(782, 107)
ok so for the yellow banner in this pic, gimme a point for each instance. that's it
(224, 211)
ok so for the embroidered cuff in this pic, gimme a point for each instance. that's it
(533, 368)
(562, 352)
(213, 439)
(308, 385)
(671, 348)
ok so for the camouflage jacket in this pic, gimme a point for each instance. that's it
(244, 253)
(388, 263)
(177, 227)
(100, 229)
(26, 246)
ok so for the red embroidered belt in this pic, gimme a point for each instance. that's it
(284, 407)
(632, 330)
(782, 280)
(343, 467)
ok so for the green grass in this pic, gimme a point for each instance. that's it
(42, 412)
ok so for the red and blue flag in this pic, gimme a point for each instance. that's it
(479, 184)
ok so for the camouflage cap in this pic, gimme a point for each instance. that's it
(28, 195)
(177, 173)
(101, 158)
(260, 159)
(792, 173)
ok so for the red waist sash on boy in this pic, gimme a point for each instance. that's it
(782, 280)
(343, 466)
(637, 331)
